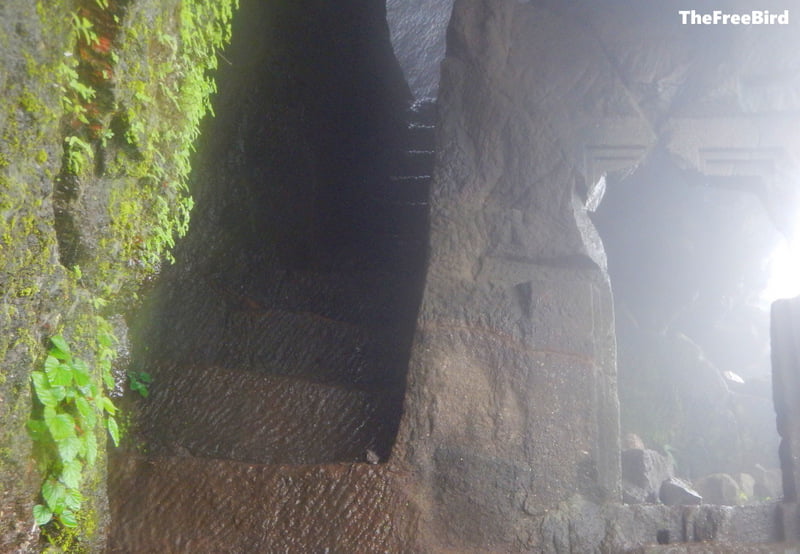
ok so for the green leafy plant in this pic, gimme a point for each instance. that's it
(63, 429)
(74, 94)
(84, 28)
(78, 153)
(139, 381)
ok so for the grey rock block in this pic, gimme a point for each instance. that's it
(643, 471)
(675, 492)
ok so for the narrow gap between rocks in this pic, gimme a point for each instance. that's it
(282, 334)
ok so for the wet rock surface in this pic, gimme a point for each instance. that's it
(511, 404)
(179, 504)
(263, 418)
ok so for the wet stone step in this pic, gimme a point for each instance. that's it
(399, 206)
(339, 327)
(414, 162)
(411, 180)
(357, 298)
(421, 136)
(305, 344)
(173, 505)
(422, 110)
(407, 219)
(400, 189)
(240, 329)
(215, 412)
(406, 188)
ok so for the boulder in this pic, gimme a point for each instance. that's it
(675, 492)
(643, 471)
(719, 488)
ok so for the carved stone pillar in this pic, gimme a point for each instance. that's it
(786, 393)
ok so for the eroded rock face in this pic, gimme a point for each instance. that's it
(297, 275)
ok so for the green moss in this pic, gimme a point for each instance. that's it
(74, 540)
(27, 291)
(166, 94)
(128, 215)
(30, 103)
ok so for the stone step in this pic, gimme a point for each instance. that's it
(324, 326)
(411, 180)
(298, 290)
(214, 412)
(400, 189)
(350, 296)
(401, 204)
(422, 111)
(172, 505)
(421, 136)
(413, 163)
(718, 548)
(305, 344)
(401, 220)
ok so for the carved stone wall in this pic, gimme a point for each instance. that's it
(512, 404)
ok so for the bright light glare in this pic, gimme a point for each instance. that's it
(784, 268)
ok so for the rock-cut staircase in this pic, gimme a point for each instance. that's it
(277, 395)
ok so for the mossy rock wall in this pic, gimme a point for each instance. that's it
(101, 101)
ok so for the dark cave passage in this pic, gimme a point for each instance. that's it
(283, 332)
